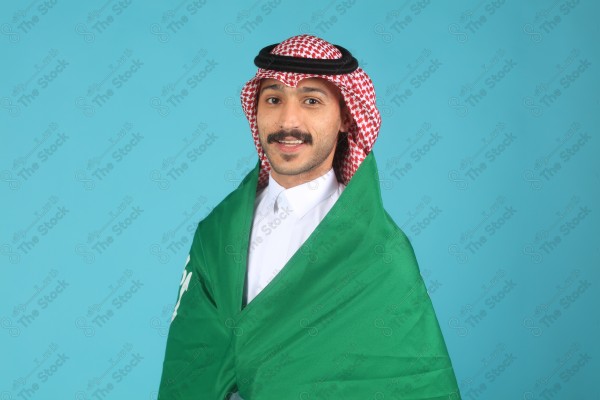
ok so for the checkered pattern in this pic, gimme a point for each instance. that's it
(356, 88)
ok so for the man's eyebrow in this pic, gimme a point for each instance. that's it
(308, 89)
(303, 89)
(275, 86)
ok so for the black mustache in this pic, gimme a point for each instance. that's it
(295, 133)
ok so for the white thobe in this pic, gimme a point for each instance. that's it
(283, 220)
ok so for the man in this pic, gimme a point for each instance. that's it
(299, 285)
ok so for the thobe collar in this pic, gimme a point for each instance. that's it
(302, 198)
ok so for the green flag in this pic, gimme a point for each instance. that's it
(348, 317)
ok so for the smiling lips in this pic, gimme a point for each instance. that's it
(289, 144)
(289, 141)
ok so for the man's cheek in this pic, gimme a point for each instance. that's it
(262, 137)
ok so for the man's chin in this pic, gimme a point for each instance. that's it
(290, 168)
(284, 161)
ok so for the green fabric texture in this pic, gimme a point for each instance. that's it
(348, 317)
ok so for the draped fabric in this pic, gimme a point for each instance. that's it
(348, 317)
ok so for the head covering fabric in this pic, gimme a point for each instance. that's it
(357, 91)
(336, 66)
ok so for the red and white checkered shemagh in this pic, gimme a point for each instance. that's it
(356, 88)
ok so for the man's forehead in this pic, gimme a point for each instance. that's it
(313, 82)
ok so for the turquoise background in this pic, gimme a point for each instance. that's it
(121, 127)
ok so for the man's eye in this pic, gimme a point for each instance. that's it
(311, 101)
(272, 100)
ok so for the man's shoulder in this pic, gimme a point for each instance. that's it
(233, 207)
(230, 203)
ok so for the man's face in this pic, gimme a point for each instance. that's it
(298, 128)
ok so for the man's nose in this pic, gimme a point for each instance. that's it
(289, 118)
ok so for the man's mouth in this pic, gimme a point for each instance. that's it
(290, 145)
(293, 142)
